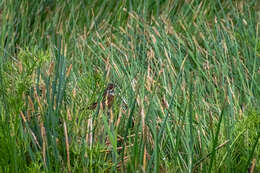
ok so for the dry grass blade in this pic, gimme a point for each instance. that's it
(33, 135)
(144, 137)
(44, 142)
(51, 67)
(67, 146)
(89, 136)
(69, 70)
(69, 115)
(252, 168)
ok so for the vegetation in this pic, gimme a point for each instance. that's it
(189, 72)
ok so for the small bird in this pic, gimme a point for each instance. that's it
(107, 99)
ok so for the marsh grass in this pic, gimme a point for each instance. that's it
(188, 71)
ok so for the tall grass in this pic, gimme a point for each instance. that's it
(187, 70)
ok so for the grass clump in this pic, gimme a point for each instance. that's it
(247, 135)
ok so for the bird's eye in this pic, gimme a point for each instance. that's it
(111, 92)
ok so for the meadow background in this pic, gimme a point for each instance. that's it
(188, 70)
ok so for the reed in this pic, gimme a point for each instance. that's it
(187, 77)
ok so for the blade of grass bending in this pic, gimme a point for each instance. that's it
(231, 146)
(204, 158)
(215, 141)
(172, 100)
(167, 110)
(130, 120)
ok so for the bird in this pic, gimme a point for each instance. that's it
(107, 98)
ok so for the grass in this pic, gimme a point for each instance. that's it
(189, 72)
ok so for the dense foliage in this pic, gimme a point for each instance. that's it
(187, 76)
